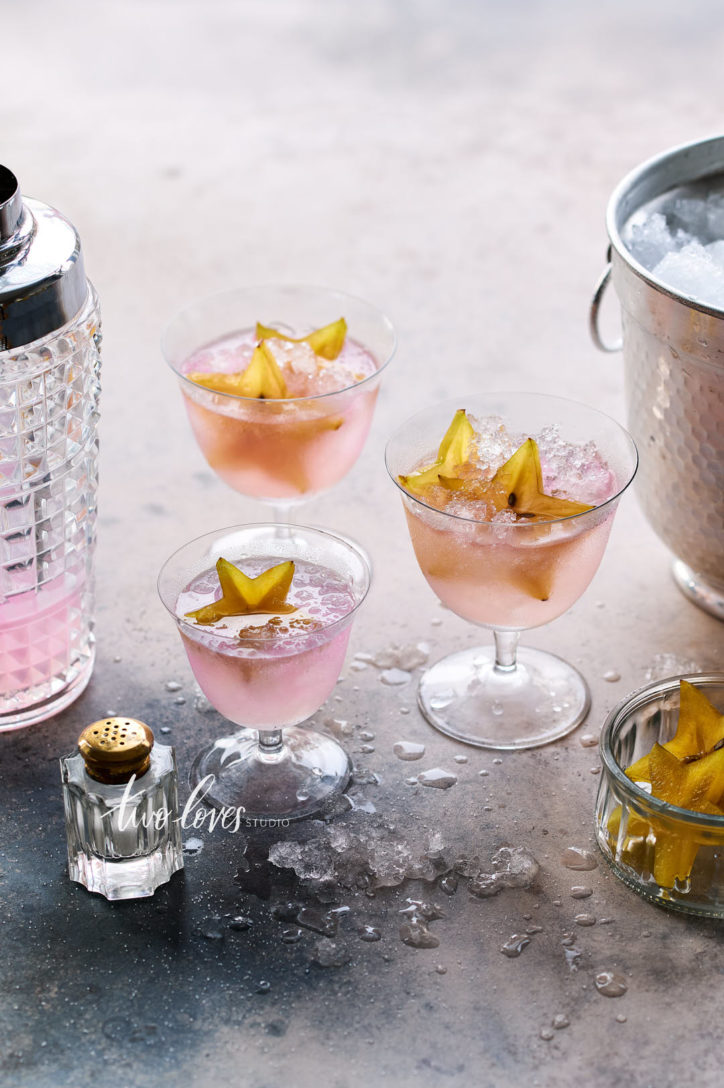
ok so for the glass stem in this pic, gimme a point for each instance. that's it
(271, 743)
(506, 646)
(283, 515)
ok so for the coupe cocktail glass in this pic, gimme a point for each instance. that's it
(269, 674)
(508, 573)
(280, 450)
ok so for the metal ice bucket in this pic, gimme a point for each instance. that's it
(674, 375)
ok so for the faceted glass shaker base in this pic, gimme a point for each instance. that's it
(132, 878)
(71, 685)
(299, 779)
(468, 698)
(705, 594)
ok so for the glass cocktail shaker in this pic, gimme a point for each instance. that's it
(49, 389)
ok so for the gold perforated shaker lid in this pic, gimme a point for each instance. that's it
(116, 748)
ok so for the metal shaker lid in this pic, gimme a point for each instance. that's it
(42, 279)
(116, 748)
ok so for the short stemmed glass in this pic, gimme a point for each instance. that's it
(511, 575)
(269, 680)
(279, 450)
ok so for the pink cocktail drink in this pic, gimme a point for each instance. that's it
(507, 572)
(509, 512)
(265, 614)
(262, 671)
(288, 447)
(40, 645)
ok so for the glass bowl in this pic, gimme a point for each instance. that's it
(629, 821)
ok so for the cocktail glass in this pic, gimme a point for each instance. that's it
(509, 576)
(273, 766)
(279, 450)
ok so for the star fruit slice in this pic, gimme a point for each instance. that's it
(327, 341)
(262, 378)
(699, 729)
(696, 786)
(518, 484)
(245, 596)
(454, 451)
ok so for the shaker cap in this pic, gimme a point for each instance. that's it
(42, 279)
(114, 749)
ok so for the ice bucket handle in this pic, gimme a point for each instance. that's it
(598, 294)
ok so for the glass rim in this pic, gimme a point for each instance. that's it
(636, 700)
(351, 546)
(523, 523)
(281, 287)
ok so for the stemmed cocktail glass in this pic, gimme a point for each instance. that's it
(267, 674)
(280, 449)
(511, 573)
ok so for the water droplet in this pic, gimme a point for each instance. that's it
(165, 730)
(179, 701)
(573, 956)
(417, 935)
(329, 954)
(621, 1019)
(577, 857)
(594, 770)
(202, 704)
(585, 920)
(441, 969)
(173, 685)
(588, 740)
(448, 884)
(483, 773)
(369, 933)
(547, 1034)
(285, 912)
(366, 734)
(580, 891)
(461, 759)
(408, 750)
(292, 935)
(192, 847)
(497, 760)
(515, 945)
(411, 782)
(366, 749)
(263, 987)
(240, 923)
(497, 708)
(211, 930)
(318, 922)
(560, 1021)
(533, 929)
(435, 621)
(404, 710)
(117, 659)
(442, 699)
(612, 676)
(438, 778)
(610, 983)
(395, 677)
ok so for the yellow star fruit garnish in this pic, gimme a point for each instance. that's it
(699, 729)
(245, 596)
(687, 771)
(262, 378)
(327, 341)
(454, 451)
(518, 484)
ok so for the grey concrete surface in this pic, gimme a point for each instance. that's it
(451, 163)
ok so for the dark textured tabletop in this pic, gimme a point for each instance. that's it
(451, 163)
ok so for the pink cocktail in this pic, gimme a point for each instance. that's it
(282, 449)
(508, 570)
(269, 672)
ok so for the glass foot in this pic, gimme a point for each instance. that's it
(708, 595)
(468, 698)
(298, 779)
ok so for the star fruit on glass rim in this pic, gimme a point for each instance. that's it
(517, 485)
(244, 596)
(261, 379)
(326, 342)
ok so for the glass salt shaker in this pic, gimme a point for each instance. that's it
(49, 389)
(121, 810)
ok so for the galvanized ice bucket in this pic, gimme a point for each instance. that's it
(674, 375)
